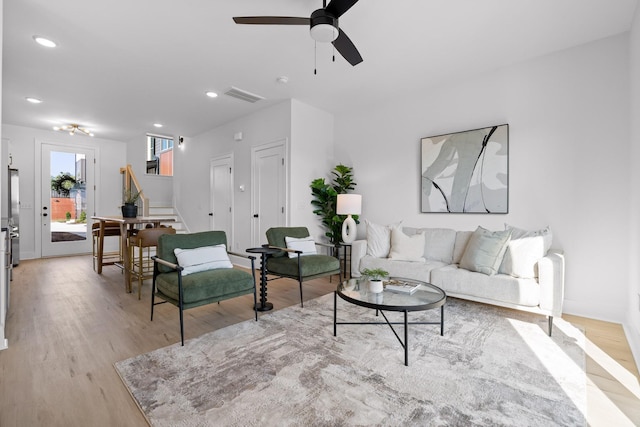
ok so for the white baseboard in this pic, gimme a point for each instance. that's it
(602, 311)
(633, 337)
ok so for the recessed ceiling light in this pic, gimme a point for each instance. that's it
(211, 94)
(158, 125)
(33, 100)
(44, 41)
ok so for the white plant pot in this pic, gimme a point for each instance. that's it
(375, 286)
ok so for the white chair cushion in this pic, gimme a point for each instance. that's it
(202, 259)
(305, 244)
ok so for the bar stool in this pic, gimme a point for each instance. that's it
(143, 244)
(110, 229)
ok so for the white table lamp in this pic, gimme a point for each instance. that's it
(349, 204)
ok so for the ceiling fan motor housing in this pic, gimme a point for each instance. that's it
(324, 26)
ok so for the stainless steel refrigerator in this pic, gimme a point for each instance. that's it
(13, 215)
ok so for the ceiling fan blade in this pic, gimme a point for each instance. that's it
(347, 49)
(339, 7)
(271, 20)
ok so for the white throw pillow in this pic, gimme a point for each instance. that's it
(379, 239)
(406, 248)
(305, 244)
(485, 250)
(524, 251)
(202, 258)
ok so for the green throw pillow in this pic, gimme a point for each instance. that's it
(485, 250)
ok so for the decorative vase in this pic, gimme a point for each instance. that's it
(129, 210)
(376, 286)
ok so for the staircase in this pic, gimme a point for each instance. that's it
(169, 211)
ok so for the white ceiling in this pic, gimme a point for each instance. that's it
(122, 65)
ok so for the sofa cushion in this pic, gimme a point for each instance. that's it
(462, 239)
(406, 269)
(379, 239)
(499, 287)
(305, 244)
(485, 250)
(202, 258)
(406, 248)
(524, 251)
(438, 242)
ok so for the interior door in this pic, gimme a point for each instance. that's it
(268, 190)
(67, 199)
(221, 189)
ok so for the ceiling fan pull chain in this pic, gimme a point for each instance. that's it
(315, 58)
(334, 52)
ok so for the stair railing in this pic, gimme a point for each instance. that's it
(129, 182)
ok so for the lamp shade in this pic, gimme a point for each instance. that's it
(349, 204)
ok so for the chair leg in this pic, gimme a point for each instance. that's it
(255, 302)
(550, 324)
(181, 327)
(301, 300)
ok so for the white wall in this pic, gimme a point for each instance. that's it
(191, 167)
(632, 323)
(23, 143)
(312, 132)
(568, 115)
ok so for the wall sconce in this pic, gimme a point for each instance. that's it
(349, 204)
(181, 142)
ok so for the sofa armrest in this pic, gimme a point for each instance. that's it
(358, 250)
(551, 280)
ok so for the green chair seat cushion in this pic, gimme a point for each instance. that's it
(206, 286)
(311, 265)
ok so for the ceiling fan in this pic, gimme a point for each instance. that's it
(323, 24)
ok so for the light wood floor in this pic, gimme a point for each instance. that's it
(67, 326)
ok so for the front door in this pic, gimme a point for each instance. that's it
(67, 199)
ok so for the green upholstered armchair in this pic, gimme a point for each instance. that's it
(300, 267)
(199, 288)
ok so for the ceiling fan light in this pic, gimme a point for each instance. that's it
(324, 33)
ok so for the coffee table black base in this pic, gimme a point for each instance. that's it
(264, 307)
(404, 343)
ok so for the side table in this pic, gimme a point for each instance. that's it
(264, 252)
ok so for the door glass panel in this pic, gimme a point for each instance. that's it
(68, 197)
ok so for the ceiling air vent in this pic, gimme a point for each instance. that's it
(243, 95)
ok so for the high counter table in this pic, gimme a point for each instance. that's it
(124, 224)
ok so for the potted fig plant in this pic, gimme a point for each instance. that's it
(375, 276)
(130, 197)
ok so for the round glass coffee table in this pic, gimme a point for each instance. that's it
(425, 297)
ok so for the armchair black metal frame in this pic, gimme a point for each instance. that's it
(301, 267)
(199, 288)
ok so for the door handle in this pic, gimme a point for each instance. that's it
(255, 215)
(210, 213)
(45, 214)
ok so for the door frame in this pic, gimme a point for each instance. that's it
(226, 159)
(38, 145)
(284, 143)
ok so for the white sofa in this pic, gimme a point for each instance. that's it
(542, 292)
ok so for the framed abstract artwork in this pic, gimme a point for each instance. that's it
(466, 172)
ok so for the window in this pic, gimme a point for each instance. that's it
(159, 155)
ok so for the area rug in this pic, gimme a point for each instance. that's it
(492, 367)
